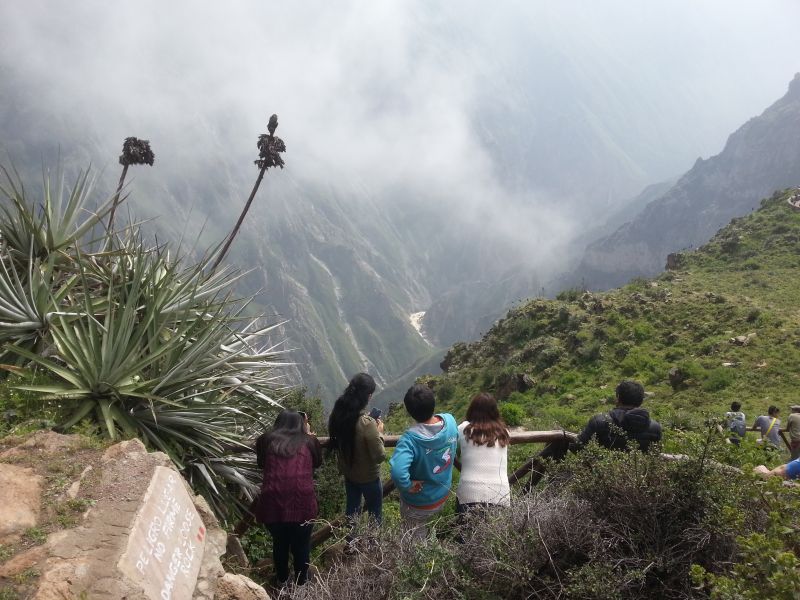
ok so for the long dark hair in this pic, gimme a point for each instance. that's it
(287, 436)
(342, 422)
(486, 426)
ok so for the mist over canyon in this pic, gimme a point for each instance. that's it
(445, 160)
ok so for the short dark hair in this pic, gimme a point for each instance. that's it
(736, 406)
(420, 402)
(773, 409)
(630, 393)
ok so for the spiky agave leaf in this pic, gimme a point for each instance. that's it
(30, 295)
(63, 220)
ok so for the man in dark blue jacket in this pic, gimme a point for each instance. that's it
(626, 422)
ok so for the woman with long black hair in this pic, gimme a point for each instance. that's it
(288, 455)
(357, 439)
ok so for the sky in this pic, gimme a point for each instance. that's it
(394, 93)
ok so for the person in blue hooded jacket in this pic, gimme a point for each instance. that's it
(422, 463)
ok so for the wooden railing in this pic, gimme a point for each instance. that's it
(534, 465)
(517, 437)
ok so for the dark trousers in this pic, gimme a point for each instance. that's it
(372, 493)
(294, 537)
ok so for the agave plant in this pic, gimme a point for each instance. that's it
(270, 148)
(148, 346)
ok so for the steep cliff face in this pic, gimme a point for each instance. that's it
(761, 156)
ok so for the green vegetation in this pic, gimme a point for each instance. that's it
(560, 359)
(35, 535)
(128, 338)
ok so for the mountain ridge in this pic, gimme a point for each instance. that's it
(723, 325)
(758, 158)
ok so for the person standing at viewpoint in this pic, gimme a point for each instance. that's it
(357, 439)
(422, 463)
(770, 426)
(483, 441)
(287, 456)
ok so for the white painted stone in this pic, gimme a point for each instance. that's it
(167, 540)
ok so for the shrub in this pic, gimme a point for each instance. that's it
(767, 563)
(569, 295)
(445, 390)
(718, 379)
(513, 414)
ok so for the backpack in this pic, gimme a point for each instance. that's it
(737, 425)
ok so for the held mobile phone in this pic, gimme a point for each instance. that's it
(304, 415)
(375, 413)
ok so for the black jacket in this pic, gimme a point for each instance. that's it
(614, 429)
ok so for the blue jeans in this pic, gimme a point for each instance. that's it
(373, 498)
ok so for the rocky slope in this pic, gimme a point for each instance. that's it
(68, 509)
(722, 325)
(761, 156)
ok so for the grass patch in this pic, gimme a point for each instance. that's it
(35, 535)
(26, 576)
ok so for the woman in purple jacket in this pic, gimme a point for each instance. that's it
(288, 456)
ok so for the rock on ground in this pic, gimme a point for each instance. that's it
(20, 501)
(81, 560)
(239, 587)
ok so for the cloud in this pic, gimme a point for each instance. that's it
(394, 93)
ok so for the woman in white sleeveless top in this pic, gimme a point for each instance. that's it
(483, 445)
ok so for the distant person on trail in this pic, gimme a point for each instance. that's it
(770, 426)
(483, 449)
(793, 427)
(357, 439)
(736, 423)
(422, 463)
(625, 422)
(288, 455)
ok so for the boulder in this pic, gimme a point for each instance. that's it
(742, 340)
(677, 378)
(20, 501)
(674, 261)
(42, 442)
(125, 489)
(239, 587)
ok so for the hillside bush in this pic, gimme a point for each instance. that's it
(513, 414)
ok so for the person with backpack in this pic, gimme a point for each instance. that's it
(357, 439)
(770, 426)
(422, 463)
(736, 423)
(626, 422)
(287, 456)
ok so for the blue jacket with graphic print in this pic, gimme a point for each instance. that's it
(426, 455)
